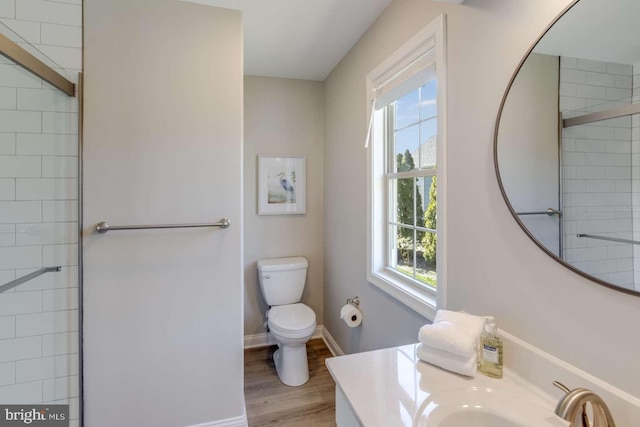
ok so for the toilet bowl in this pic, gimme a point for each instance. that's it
(291, 326)
(290, 322)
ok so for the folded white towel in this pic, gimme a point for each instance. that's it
(460, 365)
(449, 337)
(471, 324)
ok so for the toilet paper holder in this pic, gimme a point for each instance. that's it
(355, 301)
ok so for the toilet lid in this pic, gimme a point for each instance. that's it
(292, 317)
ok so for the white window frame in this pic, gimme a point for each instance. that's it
(419, 298)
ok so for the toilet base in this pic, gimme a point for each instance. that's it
(291, 364)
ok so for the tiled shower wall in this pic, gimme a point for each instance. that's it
(596, 160)
(39, 207)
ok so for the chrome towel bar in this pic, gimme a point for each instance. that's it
(20, 280)
(104, 226)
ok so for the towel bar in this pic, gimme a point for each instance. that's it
(104, 226)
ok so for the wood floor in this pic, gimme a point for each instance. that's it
(271, 403)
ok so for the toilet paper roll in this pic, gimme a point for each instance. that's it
(351, 315)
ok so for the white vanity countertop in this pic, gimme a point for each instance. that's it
(392, 387)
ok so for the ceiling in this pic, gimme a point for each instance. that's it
(300, 39)
(598, 30)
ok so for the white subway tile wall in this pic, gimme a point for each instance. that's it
(597, 170)
(7, 373)
(25, 30)
(39, 207)
(7, 235)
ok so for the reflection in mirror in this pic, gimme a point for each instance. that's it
(568, 142)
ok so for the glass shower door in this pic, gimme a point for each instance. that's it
(39, 238)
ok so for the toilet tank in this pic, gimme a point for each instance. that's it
(282, 279)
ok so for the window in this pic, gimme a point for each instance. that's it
(411, 177)
(406, 179)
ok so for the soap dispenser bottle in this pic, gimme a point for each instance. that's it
(490, 350)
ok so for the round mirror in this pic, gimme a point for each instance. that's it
(567, 142)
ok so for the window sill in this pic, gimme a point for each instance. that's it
(421, 302)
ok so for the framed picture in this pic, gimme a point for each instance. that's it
(281, 185)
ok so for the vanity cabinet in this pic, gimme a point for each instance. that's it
(345, 416)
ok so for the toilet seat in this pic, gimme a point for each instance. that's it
(292, 319)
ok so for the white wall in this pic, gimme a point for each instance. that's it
(39, 208)
(162, 144)
(282, 116)
(494, 268)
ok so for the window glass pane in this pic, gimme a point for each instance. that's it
(426, 241)
(430, 184)
(428, 100)
(422, 185)
(425, 263)
(392, 210)
(412, 201)
(404, 201)
(402, 251)
(407, 143)
(407, 109)
(428, 135)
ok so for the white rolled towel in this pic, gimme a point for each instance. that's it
(449, 337)
(461, 365)
(473, 325)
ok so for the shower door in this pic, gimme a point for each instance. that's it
(39, 239)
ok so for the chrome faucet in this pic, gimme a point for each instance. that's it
(573, 408)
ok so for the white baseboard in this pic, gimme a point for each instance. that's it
(333, 346)
(258, 340)
(240, 421)
(265, 339)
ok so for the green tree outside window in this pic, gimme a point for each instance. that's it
(405, 206)
(429, 240)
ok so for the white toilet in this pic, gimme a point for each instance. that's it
(290, 322)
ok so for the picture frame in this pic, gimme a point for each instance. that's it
(281, 185)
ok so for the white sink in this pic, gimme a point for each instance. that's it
(393, 388)
(475, 418)
(483, 407)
